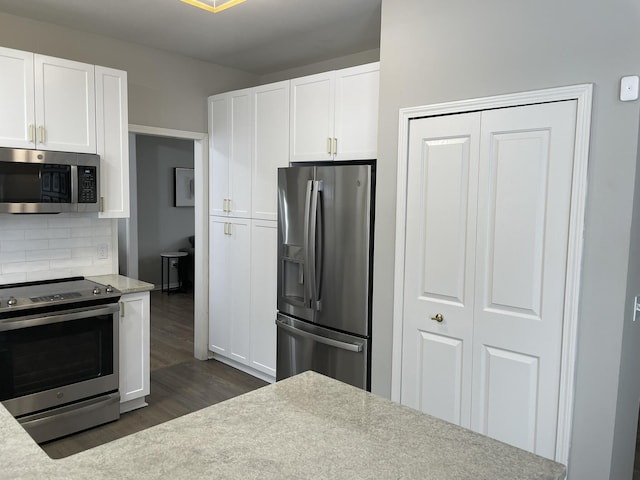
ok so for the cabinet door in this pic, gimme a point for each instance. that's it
(229, 284)
(312, 112)
(230, 151)
(356, 112)
(65, 105)
(112, 125)
(239, 204)
(270, 146)
(134, 346)
(17, 114)
(219, 151)
(264, 245)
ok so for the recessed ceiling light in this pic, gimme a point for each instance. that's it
(213, 6)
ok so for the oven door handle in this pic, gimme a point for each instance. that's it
(56, 317)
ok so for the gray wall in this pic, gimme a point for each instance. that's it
(360, 58)
(161, 226)
(165, 90)
(440, 51)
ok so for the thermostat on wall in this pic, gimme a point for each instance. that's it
(629, 88)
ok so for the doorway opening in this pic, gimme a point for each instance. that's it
(128, 229)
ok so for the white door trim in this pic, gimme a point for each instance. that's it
(201, 267)
(583, 95)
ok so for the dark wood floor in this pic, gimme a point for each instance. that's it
(180, 384)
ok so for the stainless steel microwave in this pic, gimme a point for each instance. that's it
(34, 181)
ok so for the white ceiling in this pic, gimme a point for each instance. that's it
(259, 36)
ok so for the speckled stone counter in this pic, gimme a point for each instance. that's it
(122, 283)
(305, 427)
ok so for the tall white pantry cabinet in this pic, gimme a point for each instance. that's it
(249, 138)
(252, 132)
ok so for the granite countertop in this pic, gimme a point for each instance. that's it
(122, 283)
(305, 427)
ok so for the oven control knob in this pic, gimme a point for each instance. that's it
(108, 289)
(96, 291)
(12, 301)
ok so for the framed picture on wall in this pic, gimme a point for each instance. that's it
(183, 187)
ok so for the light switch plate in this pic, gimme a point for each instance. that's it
(629, 88)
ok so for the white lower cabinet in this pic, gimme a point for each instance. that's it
(242, 296)
(134, 350)
(264, 272)
(229, 284)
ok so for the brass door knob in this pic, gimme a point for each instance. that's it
(438, 318)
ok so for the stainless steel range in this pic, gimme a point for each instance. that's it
(59, 355)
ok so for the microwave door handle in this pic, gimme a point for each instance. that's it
(306, 244)
(74, 185)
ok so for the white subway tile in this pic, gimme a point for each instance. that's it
(81, 232)
(70, 242)
(70, 222)
(49, 274)
(47, 233)
(50, 254)
(19, 267)
(17, 245)
(83, 252)
(9, 257)
(13, 278)
(11, 234)
(72, 263)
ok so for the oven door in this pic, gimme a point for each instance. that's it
(54, 359)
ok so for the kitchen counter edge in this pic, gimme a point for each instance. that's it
(124, 284)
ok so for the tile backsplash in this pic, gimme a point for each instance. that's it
(38, 247)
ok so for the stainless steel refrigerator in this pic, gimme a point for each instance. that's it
(325, 249)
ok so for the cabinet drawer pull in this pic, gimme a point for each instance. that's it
(335, 146)
(41, 132)
(32, 133)
(329, 144)
(122, 309)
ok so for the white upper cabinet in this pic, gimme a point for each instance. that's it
(230, 151)
(46, 103)
(312, 104)
(270, 146)
(334, 115)
(356, 112)
(112, 136)
(17, 111)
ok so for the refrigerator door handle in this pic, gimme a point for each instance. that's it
(352, 347)
(317, 245)
(306, 246)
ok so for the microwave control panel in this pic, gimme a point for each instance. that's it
(87, 184)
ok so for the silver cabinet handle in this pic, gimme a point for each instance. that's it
(352, 347)
(335, 146)
(32, 133)
(121, 309)
(329, 146)
(41, 132)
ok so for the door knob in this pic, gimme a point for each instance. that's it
(438, 318)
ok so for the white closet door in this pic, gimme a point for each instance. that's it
(439, 266)
(524, 196)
